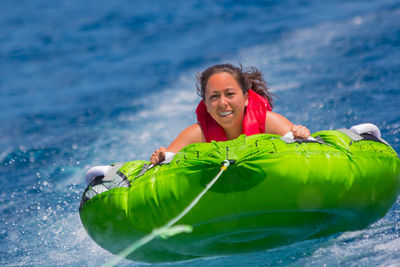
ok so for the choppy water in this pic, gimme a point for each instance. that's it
(84, 83)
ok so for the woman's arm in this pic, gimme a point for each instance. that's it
(192, 134)
(278, 124)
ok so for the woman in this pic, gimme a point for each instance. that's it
(234, 102)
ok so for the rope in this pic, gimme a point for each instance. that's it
(167, 230)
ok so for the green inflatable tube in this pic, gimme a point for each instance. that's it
(275, 193)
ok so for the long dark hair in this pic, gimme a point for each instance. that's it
(251, 78)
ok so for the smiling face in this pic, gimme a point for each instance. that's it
(225, 101)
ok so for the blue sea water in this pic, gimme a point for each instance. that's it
(86, 83)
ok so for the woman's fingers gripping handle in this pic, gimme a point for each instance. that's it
(158, 156)
(300, 131)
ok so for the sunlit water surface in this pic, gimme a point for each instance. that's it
(97, 82)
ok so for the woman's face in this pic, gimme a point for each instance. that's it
(225, 100)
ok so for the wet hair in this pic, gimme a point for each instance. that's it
(251, 78)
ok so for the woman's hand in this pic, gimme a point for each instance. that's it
(158, 156)
(300, 131)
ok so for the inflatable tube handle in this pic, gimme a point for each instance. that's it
(95, 172)
(169, 156)
(289, 138)
(368, 128)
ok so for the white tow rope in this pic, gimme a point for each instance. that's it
(168, 229)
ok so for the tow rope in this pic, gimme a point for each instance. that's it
(168, 229)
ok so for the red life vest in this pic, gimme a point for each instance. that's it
(253, 121)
